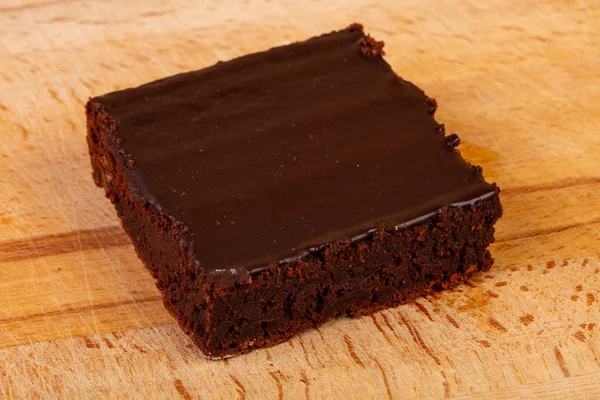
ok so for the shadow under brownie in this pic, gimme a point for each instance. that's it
(272, 192)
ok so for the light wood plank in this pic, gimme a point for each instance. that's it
(518, 81)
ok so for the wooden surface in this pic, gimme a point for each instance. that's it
(518, 80)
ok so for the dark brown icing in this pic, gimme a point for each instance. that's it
(270, 155)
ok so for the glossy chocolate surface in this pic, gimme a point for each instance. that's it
(269, 155)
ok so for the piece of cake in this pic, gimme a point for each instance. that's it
(272, 192)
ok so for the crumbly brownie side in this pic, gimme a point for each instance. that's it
(389, 268)
(155, 236)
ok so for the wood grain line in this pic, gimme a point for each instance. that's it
(567, 183)
(446, 385)
(30, 6)
(240, 389)
(423, 309)
(304, 350)
(380, 329)
(108, 343)
(496, 324)
(561, 362)
(419, 340)
(304, 380)
(385, 380)
(543, 232)
(278, 383)
(157, 13)
(181, 390)
(352, 352)
(389, 325)
(90, 344)
(590, 299)
(74, 310)
(69, 242)
(452, 321)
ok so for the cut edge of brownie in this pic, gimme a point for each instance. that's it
(156, 236)
(388, 267)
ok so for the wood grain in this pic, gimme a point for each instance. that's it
(519, 82)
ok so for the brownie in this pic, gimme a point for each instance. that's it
(275, 191)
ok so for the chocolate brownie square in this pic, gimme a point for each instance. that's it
(275, 191)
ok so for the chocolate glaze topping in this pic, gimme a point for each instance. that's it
(267, 156)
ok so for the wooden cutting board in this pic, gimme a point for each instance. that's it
(518, 80)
